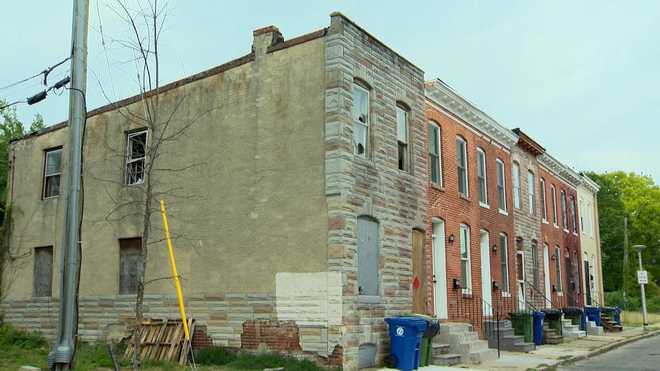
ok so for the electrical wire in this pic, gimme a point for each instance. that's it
(45, 72)
(12, 103)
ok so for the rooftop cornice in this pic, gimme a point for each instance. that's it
(443, 95)
(589, 184)
(528, 144)
(566, 173)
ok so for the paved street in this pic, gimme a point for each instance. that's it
(640, 355)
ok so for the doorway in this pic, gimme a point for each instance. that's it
(439, 269)
(485, 274)
(520, 278)
(546, 275)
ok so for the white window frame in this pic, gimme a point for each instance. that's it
(47, 175)
(564, 210)
(574, 211)
(544, 203)
(464, 230)
(558, 280)
(402, 137)
(501, 193)
(504, 264)
(464, 165)
(438, 154)
(363, 124)
(128, 161)
(482, 178)
(531, 192)
(515, 174)
(555, 217)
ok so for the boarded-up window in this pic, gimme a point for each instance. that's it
(129, 265)
(43, 271)
(368, 256)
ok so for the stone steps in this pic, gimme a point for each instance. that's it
(551, 336)
(508, 339)
(458, 340)
(593, 329)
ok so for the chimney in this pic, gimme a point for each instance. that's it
(264, 38)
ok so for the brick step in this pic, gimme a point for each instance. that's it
(448, 359)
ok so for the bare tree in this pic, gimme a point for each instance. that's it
(165, 124)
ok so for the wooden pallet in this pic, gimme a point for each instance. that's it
(162, 340)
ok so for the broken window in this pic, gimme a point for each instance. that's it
(130, 259)
(402, 136)
(52, 173)
(136, 157)
(461, 165)
(466, 270)
(368, 256)
(434, 154)
(360, 120)
(43, 271)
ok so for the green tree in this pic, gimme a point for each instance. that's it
(637, 197)
(11, 128)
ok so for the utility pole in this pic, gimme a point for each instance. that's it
(639, 249)
(61, 357)
(625, 260)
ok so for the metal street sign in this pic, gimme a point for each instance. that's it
(642, 277)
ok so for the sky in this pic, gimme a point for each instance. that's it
(580, 77)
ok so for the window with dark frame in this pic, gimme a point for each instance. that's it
(402, 137)
(434, 154)
(564, 212)
(52, 172)
(544, 208)
(130, 260)
(360, 120)
(481, 176)
(136, 157)
(553, 192)
(535, 264)
(574, 214)
(43, 271)
(462, 166)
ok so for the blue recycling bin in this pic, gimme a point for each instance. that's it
(538, 327)
(405, 341)
(593, 314)
(583, 321)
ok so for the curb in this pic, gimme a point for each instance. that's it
(601, 350)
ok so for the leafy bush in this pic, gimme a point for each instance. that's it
(214, 356)
(20, 338)
(615, 299)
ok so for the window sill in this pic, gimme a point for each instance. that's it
(466, 293)
(566, 231)
(437, 187)
(503, 212)
(556, 226)
(368, 299)
(50, 198)
(560, 293)
(363, 160)
(575, 233)
(544, 221)
(506, 294)
(485, 206)
(464, 196)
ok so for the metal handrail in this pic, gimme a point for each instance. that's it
(538, 292)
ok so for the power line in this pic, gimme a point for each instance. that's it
(36, 98)
(45, 73)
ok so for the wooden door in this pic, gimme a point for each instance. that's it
(419, 272)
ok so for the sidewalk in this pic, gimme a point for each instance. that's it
(552, 355)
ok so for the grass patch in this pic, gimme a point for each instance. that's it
(634, 319)
(269, 360)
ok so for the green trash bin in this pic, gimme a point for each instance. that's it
(432, 328)
(522, 325)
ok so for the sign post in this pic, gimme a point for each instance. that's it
(643, 279)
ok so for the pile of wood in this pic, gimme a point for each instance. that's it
(162, 340)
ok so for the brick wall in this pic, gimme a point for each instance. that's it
(447, 204)
(373, 186)
(568, 242)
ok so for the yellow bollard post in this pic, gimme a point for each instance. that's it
(175, 275)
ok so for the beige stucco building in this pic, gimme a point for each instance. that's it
(294, 197)
(591, 265)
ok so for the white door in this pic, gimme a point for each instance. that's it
(546, 274)
(520, 279)
(440, 269)
(485, 274)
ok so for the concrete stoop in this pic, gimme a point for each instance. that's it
(571, 331)
(463, 342)
(593, 329)
(441, 356)
(550, 335)
(508, 340)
